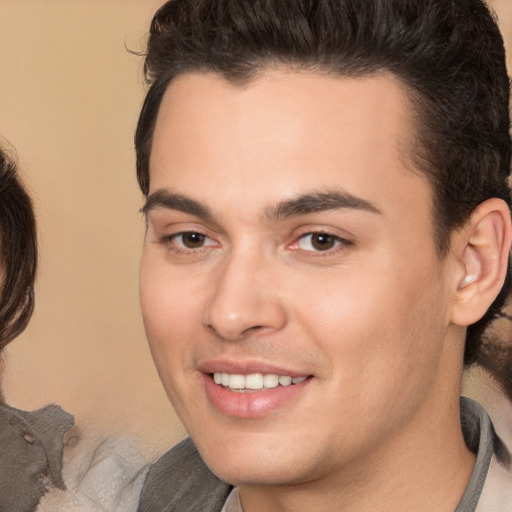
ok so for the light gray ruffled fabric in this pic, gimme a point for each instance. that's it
(31, 446)
(101, 474)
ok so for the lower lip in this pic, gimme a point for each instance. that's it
(253, 404)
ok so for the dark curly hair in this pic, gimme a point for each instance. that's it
(18, 252)
(449, 54)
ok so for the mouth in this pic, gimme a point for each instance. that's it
(254, 382)
(254, 395)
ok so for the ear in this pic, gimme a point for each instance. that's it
(483, 248)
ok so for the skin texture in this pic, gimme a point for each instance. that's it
(376, 321)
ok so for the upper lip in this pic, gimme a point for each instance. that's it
(246, 368)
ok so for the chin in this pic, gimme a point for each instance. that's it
(257, 473)
(253, 463)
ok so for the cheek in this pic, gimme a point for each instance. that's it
(170, 312)
(377, 324)
(170, 309)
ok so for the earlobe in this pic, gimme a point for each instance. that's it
(486, 240)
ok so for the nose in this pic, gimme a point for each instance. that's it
(245, 299)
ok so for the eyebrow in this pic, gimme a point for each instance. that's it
(301, 205)
(319, 202)
(172, 201)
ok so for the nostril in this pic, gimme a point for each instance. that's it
(254, 328)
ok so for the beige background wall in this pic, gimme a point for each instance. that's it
(69, 99)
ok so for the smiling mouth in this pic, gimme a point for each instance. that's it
(254, 381)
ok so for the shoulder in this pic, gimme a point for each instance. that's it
(497, 492)
(31, 455)
(495, 475)
(180, 481)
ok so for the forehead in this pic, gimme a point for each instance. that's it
(283, 133)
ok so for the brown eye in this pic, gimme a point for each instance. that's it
(319, 242)
(188, 242)
(322, 242)
(192, 240)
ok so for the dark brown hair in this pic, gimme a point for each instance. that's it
(449, 54)
(18, 252)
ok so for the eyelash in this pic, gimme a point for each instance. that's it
(340, 243)
(170, 241)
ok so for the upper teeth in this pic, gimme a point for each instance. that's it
(255, 380)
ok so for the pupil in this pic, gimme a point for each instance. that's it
(192, 240)
(322, 242)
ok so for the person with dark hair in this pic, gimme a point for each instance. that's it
(328, 238)
(102, 473)
(31, 443)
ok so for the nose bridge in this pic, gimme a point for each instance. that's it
(243, 299)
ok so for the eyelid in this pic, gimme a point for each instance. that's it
(162, 218)
(178, 234)
(169, 238)
(341, 242)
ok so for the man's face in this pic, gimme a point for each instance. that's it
(289, 240)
